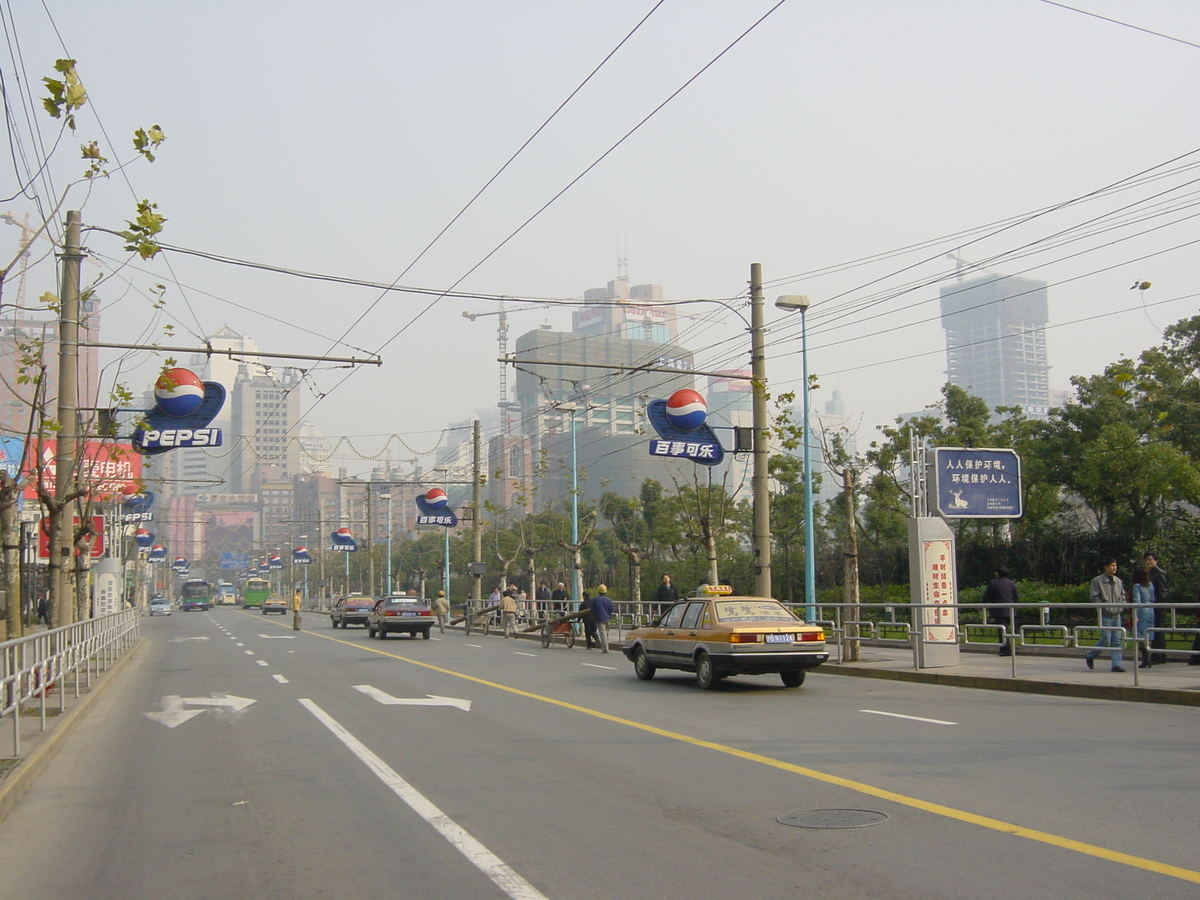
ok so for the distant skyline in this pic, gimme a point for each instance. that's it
(848, 147)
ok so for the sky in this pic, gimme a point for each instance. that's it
(845, 145)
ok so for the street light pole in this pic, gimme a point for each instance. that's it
(388, 562)
(576, 573)
(801, 302)
(762, 438)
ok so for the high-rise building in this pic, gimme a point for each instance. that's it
(620, 326)
(263, 410)
(996, 340)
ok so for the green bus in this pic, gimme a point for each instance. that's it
(196, 593)
(254, 592)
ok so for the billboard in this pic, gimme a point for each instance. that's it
(106, 470)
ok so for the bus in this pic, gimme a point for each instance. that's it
(254, 592)
(226, 594)
(196, 593)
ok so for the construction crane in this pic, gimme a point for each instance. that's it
(502, 337)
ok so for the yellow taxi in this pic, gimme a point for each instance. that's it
(717, 634)
(275, 603)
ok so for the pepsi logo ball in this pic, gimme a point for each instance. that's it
(178, 392)
(436, 499)
(344, 531)
(686, 410)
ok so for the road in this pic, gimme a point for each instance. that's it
(237, 758)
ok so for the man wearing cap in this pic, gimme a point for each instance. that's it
(441, 606)
(602, 610)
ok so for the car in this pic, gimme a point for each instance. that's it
(351, 610)
(275, 603)
(400, 613)
(716, 635)
(160, 606)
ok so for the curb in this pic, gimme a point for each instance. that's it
(14, 786)
(1025, 686)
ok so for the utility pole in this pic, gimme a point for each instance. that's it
(762, 438)
(62, 537)
(476, 510)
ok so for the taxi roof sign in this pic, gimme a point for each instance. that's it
(717, 589)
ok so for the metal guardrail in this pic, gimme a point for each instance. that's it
(37, 665)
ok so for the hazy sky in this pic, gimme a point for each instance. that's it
(342, 138)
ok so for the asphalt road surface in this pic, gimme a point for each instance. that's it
(236, 758)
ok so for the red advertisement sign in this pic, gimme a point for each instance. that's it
(94, 542)
(105, 470)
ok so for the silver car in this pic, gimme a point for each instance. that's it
(160, 606)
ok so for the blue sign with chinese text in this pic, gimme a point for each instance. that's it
(977, 483)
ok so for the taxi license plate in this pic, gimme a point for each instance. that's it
(780, 638)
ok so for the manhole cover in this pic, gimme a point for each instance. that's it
(833, 818)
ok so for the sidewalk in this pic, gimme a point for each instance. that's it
(1038, 671)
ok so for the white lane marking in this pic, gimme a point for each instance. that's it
(476, 646)
(280, 679)
(598, 666)
(428, 700)
(174, 714)
(249, 652)
(876, 712)
(480, 856)
(181, 640)
(239, 645)
(278, 637)
(523, 653)
(262, 662)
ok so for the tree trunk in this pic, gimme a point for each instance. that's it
(850, 594)
(10, 532)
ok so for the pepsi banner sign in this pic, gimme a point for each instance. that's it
(302, 556)
(435, 510)
(682, 429)
(184, 408)
(343, 540)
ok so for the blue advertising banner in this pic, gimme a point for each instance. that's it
(10, 455)
(977, 483)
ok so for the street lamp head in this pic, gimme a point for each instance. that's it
(566, 407)
(793, 301)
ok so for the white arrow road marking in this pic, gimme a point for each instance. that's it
(278, 637)
(181, 640)
(429, 700)
(174, 714)
(876, 712)
(503, 876)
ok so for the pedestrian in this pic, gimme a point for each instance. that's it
(1142, 594)
(589, 621)
(508, 613)
(1108, 591)
(43, 610)
(494, 598)
(1002, 589)
(1162, 616)
(667, 593)
(543, 593)
(560, 598)
(602, 610)
(441, 607)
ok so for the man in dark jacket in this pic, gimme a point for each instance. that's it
(602, 610)
(1162, 616)
(1002, 589)
(667, 593)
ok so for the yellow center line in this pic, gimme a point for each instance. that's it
(936, 809)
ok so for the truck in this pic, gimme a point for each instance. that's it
(254, 592)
